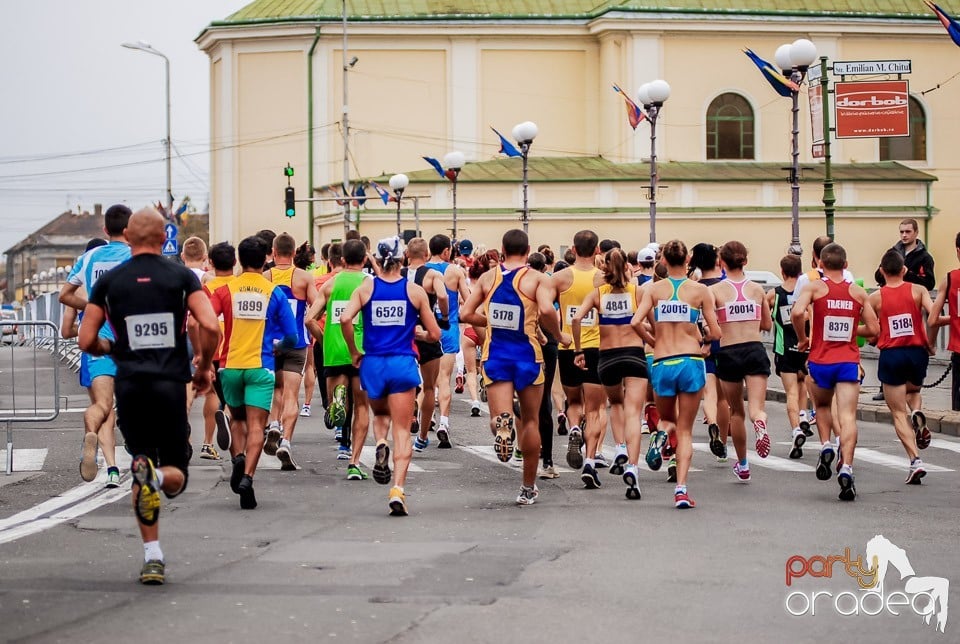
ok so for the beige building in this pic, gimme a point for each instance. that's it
(433, 77)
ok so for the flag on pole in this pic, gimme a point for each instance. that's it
(360, 196)
(336, 193)
(383, 194)
(781, 84)
(436, 166)
(634, 113)
(951, 25)
(506, 147)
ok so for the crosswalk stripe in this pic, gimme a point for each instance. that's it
(368, 457)
(898, 462)
(770, 462)
(945, 444)
(26, 460)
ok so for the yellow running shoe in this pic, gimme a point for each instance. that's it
(148, 495)
(398, 506)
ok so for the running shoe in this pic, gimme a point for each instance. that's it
(344, 453)
(420, 444)
(799, 438)
(848, 491)
(285, 456)
(415, 423)
(224, 439)
(670, 447)
(475, 409)
(305, 411)
(916, 472)
(812, 415)
(338, 406)
(919, 420)
(644, 428)
(672, 470)
(632, 478)
(272, 442)
(113, 477)
(619, 461)
(723, 459)
(209, 452)
(590, 478)
(742, 472)
(517, 455)
(398, 502)
(338, 434)
(654, 458)
(652, 416)
(239, 463)
(354, 473)
(248, 500)
(88, 457)
(805, 428)
(763, 438)
(600, 461)
(682, 500)
(839, 457)
(716, 445)
(548, 472)
(152, 573)
(574, 443)
(561, 424)
(528, 495)
(381, 467)
(460, 382)
(503, 441)
(147, 505)
(827, 454)
(443, 437)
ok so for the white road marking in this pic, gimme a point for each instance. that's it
(26, 460)
(898, 462)
(940, 443)
(368, 457)
(770, 462)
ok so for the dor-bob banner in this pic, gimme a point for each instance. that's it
(872, 109)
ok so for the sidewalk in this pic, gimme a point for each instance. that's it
(936, 400)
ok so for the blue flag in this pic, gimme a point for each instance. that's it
(383, 194)
(506, 147)
(781, 84)
(436, 166)
(947, 21)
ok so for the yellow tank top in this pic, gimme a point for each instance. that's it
(570, 301)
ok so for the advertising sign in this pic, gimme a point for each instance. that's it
(872, 109)
(816, 119)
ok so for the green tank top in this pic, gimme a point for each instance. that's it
(335, 350)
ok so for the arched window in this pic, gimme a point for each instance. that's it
(730, 128)
(908, 148)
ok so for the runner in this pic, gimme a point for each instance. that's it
(299, 289)
(470, 342)
(193, 253)
(743, 314)
(949, 294)
(97, 372)
(392, 308)
(514, 299)
(455, 281)
(838, 307)
(791, 364)
(255, 313)
(903, 355)
(549, 346)
(622, 364)
(147, 300)
(673, 307)
(223, 259)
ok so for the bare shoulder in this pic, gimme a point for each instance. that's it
(562, 279)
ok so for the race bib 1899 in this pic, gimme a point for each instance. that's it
(590, 319)
(901, 326)
(249, 305)
(616, 305)
(389, 313)
(151, 331)
(837, 329)
(504, 316)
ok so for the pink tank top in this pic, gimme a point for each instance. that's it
(740, 309)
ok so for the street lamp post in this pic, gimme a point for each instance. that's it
(453, 162)
(524, 134)
(399, 183)
(794, 59)
(144, 46)
(653, 95)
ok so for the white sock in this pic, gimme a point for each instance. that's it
(588, 461)
(152, 551)
(459, 361)
(445, 420)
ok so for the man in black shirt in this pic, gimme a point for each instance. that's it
(146, 301)
(918, 261)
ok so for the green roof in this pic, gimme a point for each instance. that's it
(270, 11)
(578, 169)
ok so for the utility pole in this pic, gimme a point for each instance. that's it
(348, 223)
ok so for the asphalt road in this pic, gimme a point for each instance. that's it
(320, 560)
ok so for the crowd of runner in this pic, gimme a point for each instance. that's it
(639, 342)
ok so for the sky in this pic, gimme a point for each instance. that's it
(82, 119)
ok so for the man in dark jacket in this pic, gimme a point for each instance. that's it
(918, 261)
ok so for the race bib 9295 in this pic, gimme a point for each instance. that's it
(151, 331)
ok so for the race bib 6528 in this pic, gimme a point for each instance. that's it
(389, 313)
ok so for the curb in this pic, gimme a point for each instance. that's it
(943, 422)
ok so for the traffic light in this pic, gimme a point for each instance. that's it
(289, 199)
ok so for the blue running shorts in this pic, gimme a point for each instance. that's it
(826, 376)
(678, 374)
(381, 376)
(95, 366)
(521, 374)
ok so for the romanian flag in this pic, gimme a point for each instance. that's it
(383, 194)
(634, 113)
(436, 166)
(951, 25)
(506, 147)
(778, 81)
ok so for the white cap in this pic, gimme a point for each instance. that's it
(390, 248)
(654, 246)
(646, 255)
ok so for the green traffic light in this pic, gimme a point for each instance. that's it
(288, 171)
(291, 212)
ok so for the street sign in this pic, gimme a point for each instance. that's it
(170, 247)
(872, 109)
(171, 231)
(870, 67)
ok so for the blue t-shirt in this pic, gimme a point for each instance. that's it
(93, 264)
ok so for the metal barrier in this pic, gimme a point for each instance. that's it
(18, 386)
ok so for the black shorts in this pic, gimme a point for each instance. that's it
(737, 361)
(217, 387)
(292, 360)
(791, 362)
(900, 365)
(573, 376)
(428, 351)
(624, 362)
(152, 416)
(347, 370)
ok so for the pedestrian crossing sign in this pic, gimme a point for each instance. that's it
(170, 247)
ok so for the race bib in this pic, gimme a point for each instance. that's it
(249, 306)
(617, 305)
(901, 326)
(504, 316)
(336, 310)
(837, 329)
(741, 311)
(673, 311)
(590, 319)
(785, 314)
(151, 331)
(389, 313)
(99, 268)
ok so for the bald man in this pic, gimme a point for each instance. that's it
(147, 300)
